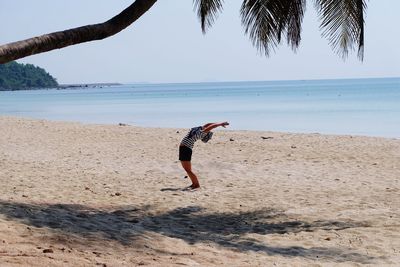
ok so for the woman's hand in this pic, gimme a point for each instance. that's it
(224, 124)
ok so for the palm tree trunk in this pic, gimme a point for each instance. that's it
(57, 40)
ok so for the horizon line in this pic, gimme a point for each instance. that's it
(228, 81)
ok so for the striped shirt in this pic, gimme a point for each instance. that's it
(192, 136)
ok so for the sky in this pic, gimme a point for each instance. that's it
(166, 44)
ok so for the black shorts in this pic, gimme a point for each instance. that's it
(185, 153)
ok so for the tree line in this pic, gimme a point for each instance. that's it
(17, 76)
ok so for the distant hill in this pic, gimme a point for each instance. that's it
(16, 76)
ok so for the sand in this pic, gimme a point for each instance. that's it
(108, 195)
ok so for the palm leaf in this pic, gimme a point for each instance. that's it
(265, 22)
(342, 22)
(294, 14)
(207, 11)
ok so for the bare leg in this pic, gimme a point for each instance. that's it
(187, 165)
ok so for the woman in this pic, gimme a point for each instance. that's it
(186, 146)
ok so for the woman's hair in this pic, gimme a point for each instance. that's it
(207, 137)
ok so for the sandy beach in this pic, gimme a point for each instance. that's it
(108, 195)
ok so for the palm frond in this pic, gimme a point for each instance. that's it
(207, 11)
(266, 20)
(342, 22)
(295, 13)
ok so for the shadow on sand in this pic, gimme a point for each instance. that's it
(191, 224)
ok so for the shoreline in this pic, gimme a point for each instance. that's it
(81, 194)
(65, 87)
(182, 128)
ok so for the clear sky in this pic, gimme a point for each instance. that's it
(167, 45)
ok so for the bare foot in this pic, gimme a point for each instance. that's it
(191, 187)
(194, 186)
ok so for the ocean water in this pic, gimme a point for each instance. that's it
(354, 106)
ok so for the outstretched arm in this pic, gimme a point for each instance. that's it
(209, 126)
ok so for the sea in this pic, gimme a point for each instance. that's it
(367, 107)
